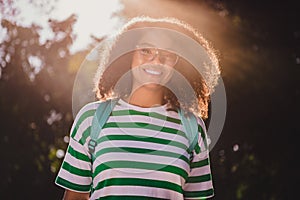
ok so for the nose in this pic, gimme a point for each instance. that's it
(156, 58)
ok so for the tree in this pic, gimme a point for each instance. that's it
(35, 108)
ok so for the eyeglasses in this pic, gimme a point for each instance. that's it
(149, 53)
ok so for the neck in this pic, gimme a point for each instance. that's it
(144, 97)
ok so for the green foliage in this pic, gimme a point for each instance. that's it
(35, 108)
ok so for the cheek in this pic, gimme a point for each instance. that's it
(136, 61)
(169, 70)
(169, 73)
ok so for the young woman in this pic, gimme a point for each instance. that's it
(142, 150)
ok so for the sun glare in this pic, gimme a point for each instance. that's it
(94, 17)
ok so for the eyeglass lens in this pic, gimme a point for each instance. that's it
(165, 57)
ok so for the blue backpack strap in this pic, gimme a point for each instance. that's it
(100, 117)
(190, 125)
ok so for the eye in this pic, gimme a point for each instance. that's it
(168, 55)
(146, 51)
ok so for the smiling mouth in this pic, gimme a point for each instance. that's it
(153, 72)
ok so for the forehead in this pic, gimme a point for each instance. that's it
(160, 39)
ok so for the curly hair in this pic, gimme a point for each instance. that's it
(203, 84)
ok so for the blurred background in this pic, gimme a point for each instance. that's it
(43, 43)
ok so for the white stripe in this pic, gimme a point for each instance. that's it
(137, 157)
(201, 123)
(77, 162)
(81, 180)
(144, 133)
(139, 173)
(78, 147)
(202, 143)
(66, 188)
(87, 122)
(201, 171)
(201, 156)
(145, 119)
(137, 190)
(124, 105)
(143, 145)
(198, 186)
(201, 140)
(87, 107)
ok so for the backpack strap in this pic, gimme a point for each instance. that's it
(100, 117)
(190, 125)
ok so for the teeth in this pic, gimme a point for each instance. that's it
(152, 72)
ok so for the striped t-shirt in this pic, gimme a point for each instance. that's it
(141, 154)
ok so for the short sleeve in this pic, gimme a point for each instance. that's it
(199, 184)
(75, 173)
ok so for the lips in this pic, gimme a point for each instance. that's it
(153, 69)
(152, 73)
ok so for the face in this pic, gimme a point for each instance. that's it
(153, 62)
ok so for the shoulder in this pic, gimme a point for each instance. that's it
(88, 111)
(194, 118)
(83, 119)
(89, 107)
(201, 123)
(203, 137)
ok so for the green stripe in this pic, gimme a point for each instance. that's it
(139, 182)
(198, 194)
(86, 133)
(127, 197)
(200, 129)
(198, 179)
(142, 151)
(197, 148)
(72, 186)
(200, 163)
(75, 170)
(78, 155)
(142, 139)
(150, 114)
(144, 126)
(141, 165)
(85, 115)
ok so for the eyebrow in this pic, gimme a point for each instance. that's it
(145, 44)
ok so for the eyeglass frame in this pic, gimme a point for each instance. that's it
(157, 51)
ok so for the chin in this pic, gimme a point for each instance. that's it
(153, 86)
